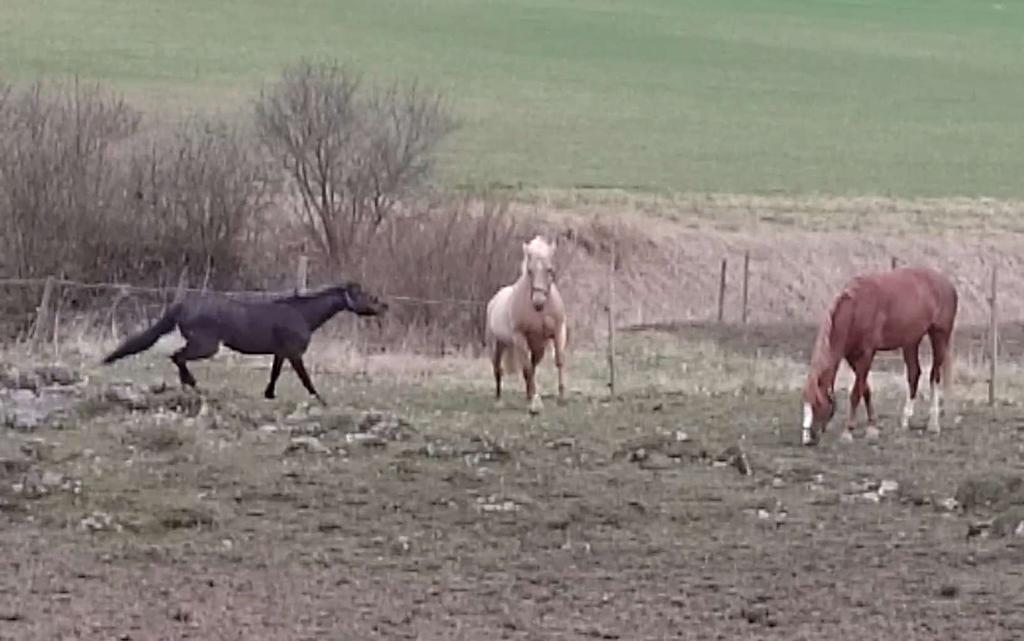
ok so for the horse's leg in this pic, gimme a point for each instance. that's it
(536, 405)
(300, 369)
(861, 366)
(560, 340)
(496, 355)
(871, 431)
(275, 371)
(913, 363)
(940, 345)
(866, 394)
(196, 348)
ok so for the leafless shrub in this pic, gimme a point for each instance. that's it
(448, 260)
(197, 197)
(350, 157)
(58, 179)
(81, 194)
(58, 173)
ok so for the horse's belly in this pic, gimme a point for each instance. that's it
(243, 347)
(897, 335)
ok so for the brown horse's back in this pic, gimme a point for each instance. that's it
(896, 308)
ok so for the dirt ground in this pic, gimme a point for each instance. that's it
(417, 510)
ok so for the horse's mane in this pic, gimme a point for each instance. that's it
(821, 356)
(312, 293)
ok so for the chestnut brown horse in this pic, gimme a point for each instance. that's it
(881, 312)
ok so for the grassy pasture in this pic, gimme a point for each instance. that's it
(917, 97)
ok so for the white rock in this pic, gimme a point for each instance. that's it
(52, 479)
(888, 487)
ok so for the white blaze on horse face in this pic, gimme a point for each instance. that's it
(808, 420)
(539, 270)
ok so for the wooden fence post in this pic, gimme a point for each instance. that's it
(721, 293)
(206, 276)
(179, 293)
(746, 283)
(39, 331)
(611, 323)
(302, 275)
(56, 317)
(993, 334)
(892, 262)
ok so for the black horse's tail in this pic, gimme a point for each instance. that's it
(145, 339)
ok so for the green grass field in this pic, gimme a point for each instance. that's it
(913, 97)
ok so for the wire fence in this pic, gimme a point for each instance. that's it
(42, 322)
(142, 289)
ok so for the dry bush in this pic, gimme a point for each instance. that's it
(456, 256)
(351, 156)
(59, 174)
(59, 179)
(199, 198)
(82, 195)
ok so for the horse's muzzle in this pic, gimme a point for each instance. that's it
(539, 298)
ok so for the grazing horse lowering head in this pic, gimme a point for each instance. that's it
(352, 297)
(539, 270)
(819, 407)
(879, 312)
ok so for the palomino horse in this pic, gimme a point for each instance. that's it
(523, 317)
(282, 327)
(880, 312)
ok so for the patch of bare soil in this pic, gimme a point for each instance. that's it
(689, 517)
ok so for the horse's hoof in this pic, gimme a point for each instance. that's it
(536, 405)
(872, 433)
(933, 428)
(846, 437)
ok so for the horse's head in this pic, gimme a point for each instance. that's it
(539, 269)
(355, 299)
(819, 407)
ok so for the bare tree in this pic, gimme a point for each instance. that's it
(350, 157)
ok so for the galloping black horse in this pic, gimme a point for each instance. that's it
(282, 327)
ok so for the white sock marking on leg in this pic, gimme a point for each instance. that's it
(933, 422)
(808, 419)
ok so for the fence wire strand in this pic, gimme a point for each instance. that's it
(125, 288)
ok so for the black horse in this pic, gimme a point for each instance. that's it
(282, 327)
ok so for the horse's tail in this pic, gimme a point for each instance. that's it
(145, 339)
(947, 363)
